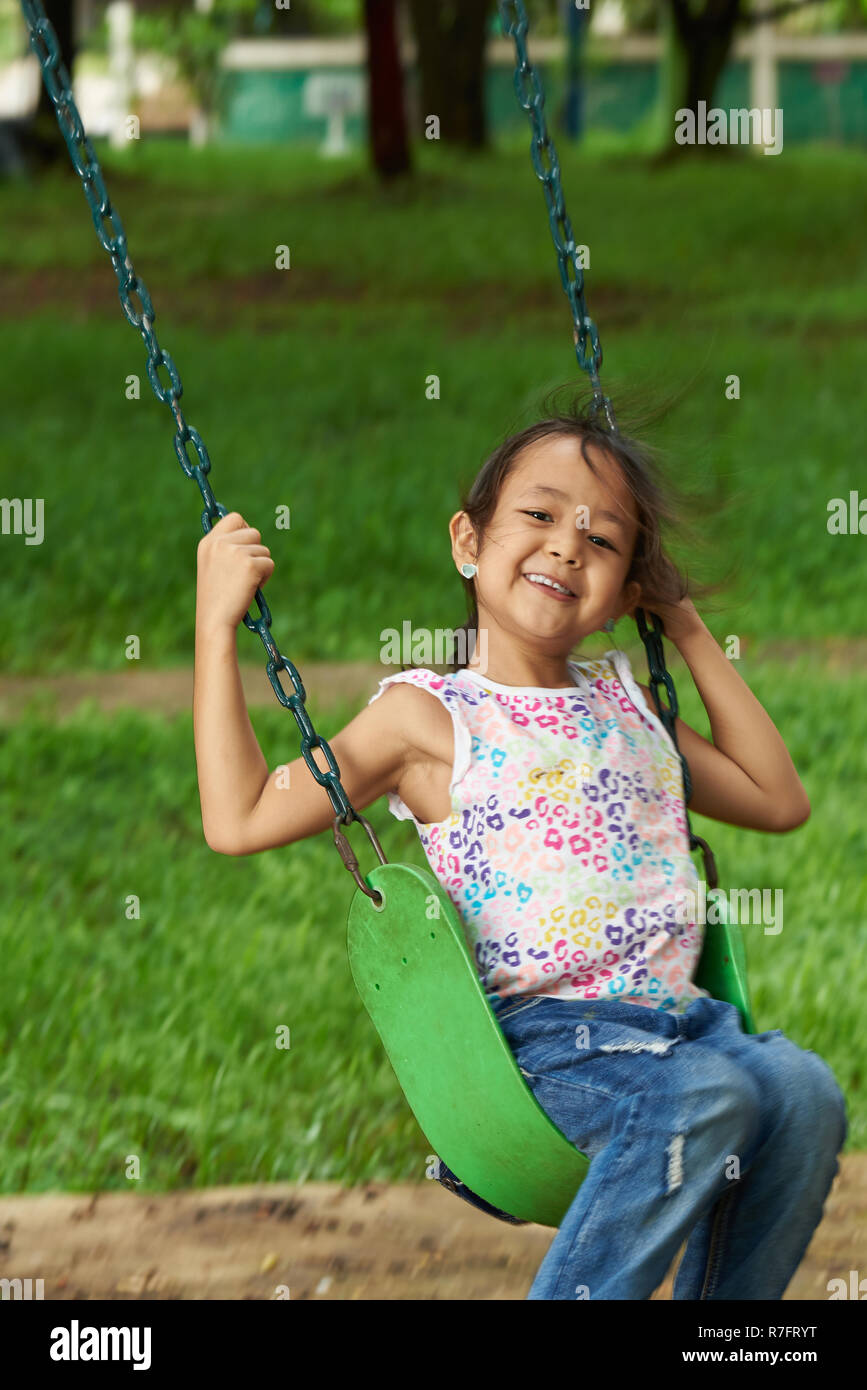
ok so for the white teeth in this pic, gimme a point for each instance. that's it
(552, 584)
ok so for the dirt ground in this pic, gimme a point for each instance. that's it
(321, 1241)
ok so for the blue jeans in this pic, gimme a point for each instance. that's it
(694, 1130)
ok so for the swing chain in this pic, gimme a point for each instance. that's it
(514, 21)
(513, 18)
(43, 41)
(659, 675)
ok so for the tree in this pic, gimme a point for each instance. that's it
(36, 140)
(702, 37)
(389, 144)
(450, 36)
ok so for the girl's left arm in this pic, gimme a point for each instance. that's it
(745, 776)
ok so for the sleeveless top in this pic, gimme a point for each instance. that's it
(566, 851)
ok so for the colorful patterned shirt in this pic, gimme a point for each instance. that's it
(566, 852)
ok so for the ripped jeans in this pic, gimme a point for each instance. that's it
(694, 1130)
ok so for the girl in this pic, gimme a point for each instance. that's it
(549, 801)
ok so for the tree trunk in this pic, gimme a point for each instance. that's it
(450, 35)
(48, 143)
(704, 41)
(36, 140)
(389, 143)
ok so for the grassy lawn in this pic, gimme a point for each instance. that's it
(155, 1035)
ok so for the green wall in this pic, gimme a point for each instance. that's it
(262, 106)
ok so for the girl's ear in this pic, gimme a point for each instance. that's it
(463, 538)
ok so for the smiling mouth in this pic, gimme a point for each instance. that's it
(547, 587)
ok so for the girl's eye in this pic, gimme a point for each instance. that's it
(540, 514)
(602, 539)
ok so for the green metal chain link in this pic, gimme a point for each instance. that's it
(514, 21)
(109, 230)
(659, 675)
(513, 18)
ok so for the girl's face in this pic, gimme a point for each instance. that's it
(555, 517)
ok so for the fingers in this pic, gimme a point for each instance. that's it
(230, 522)
(234, 525)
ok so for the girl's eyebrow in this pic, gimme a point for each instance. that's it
(556, 492)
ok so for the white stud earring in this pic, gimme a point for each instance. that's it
(468, 570)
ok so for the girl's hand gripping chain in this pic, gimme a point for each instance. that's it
(232, 565)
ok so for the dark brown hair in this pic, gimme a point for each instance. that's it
(658, 503)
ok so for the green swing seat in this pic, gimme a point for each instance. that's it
(413, 970)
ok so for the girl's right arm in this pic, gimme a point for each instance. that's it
(372, 755)
(244, 810)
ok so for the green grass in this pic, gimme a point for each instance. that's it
(311, 393)
(155, 1035)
